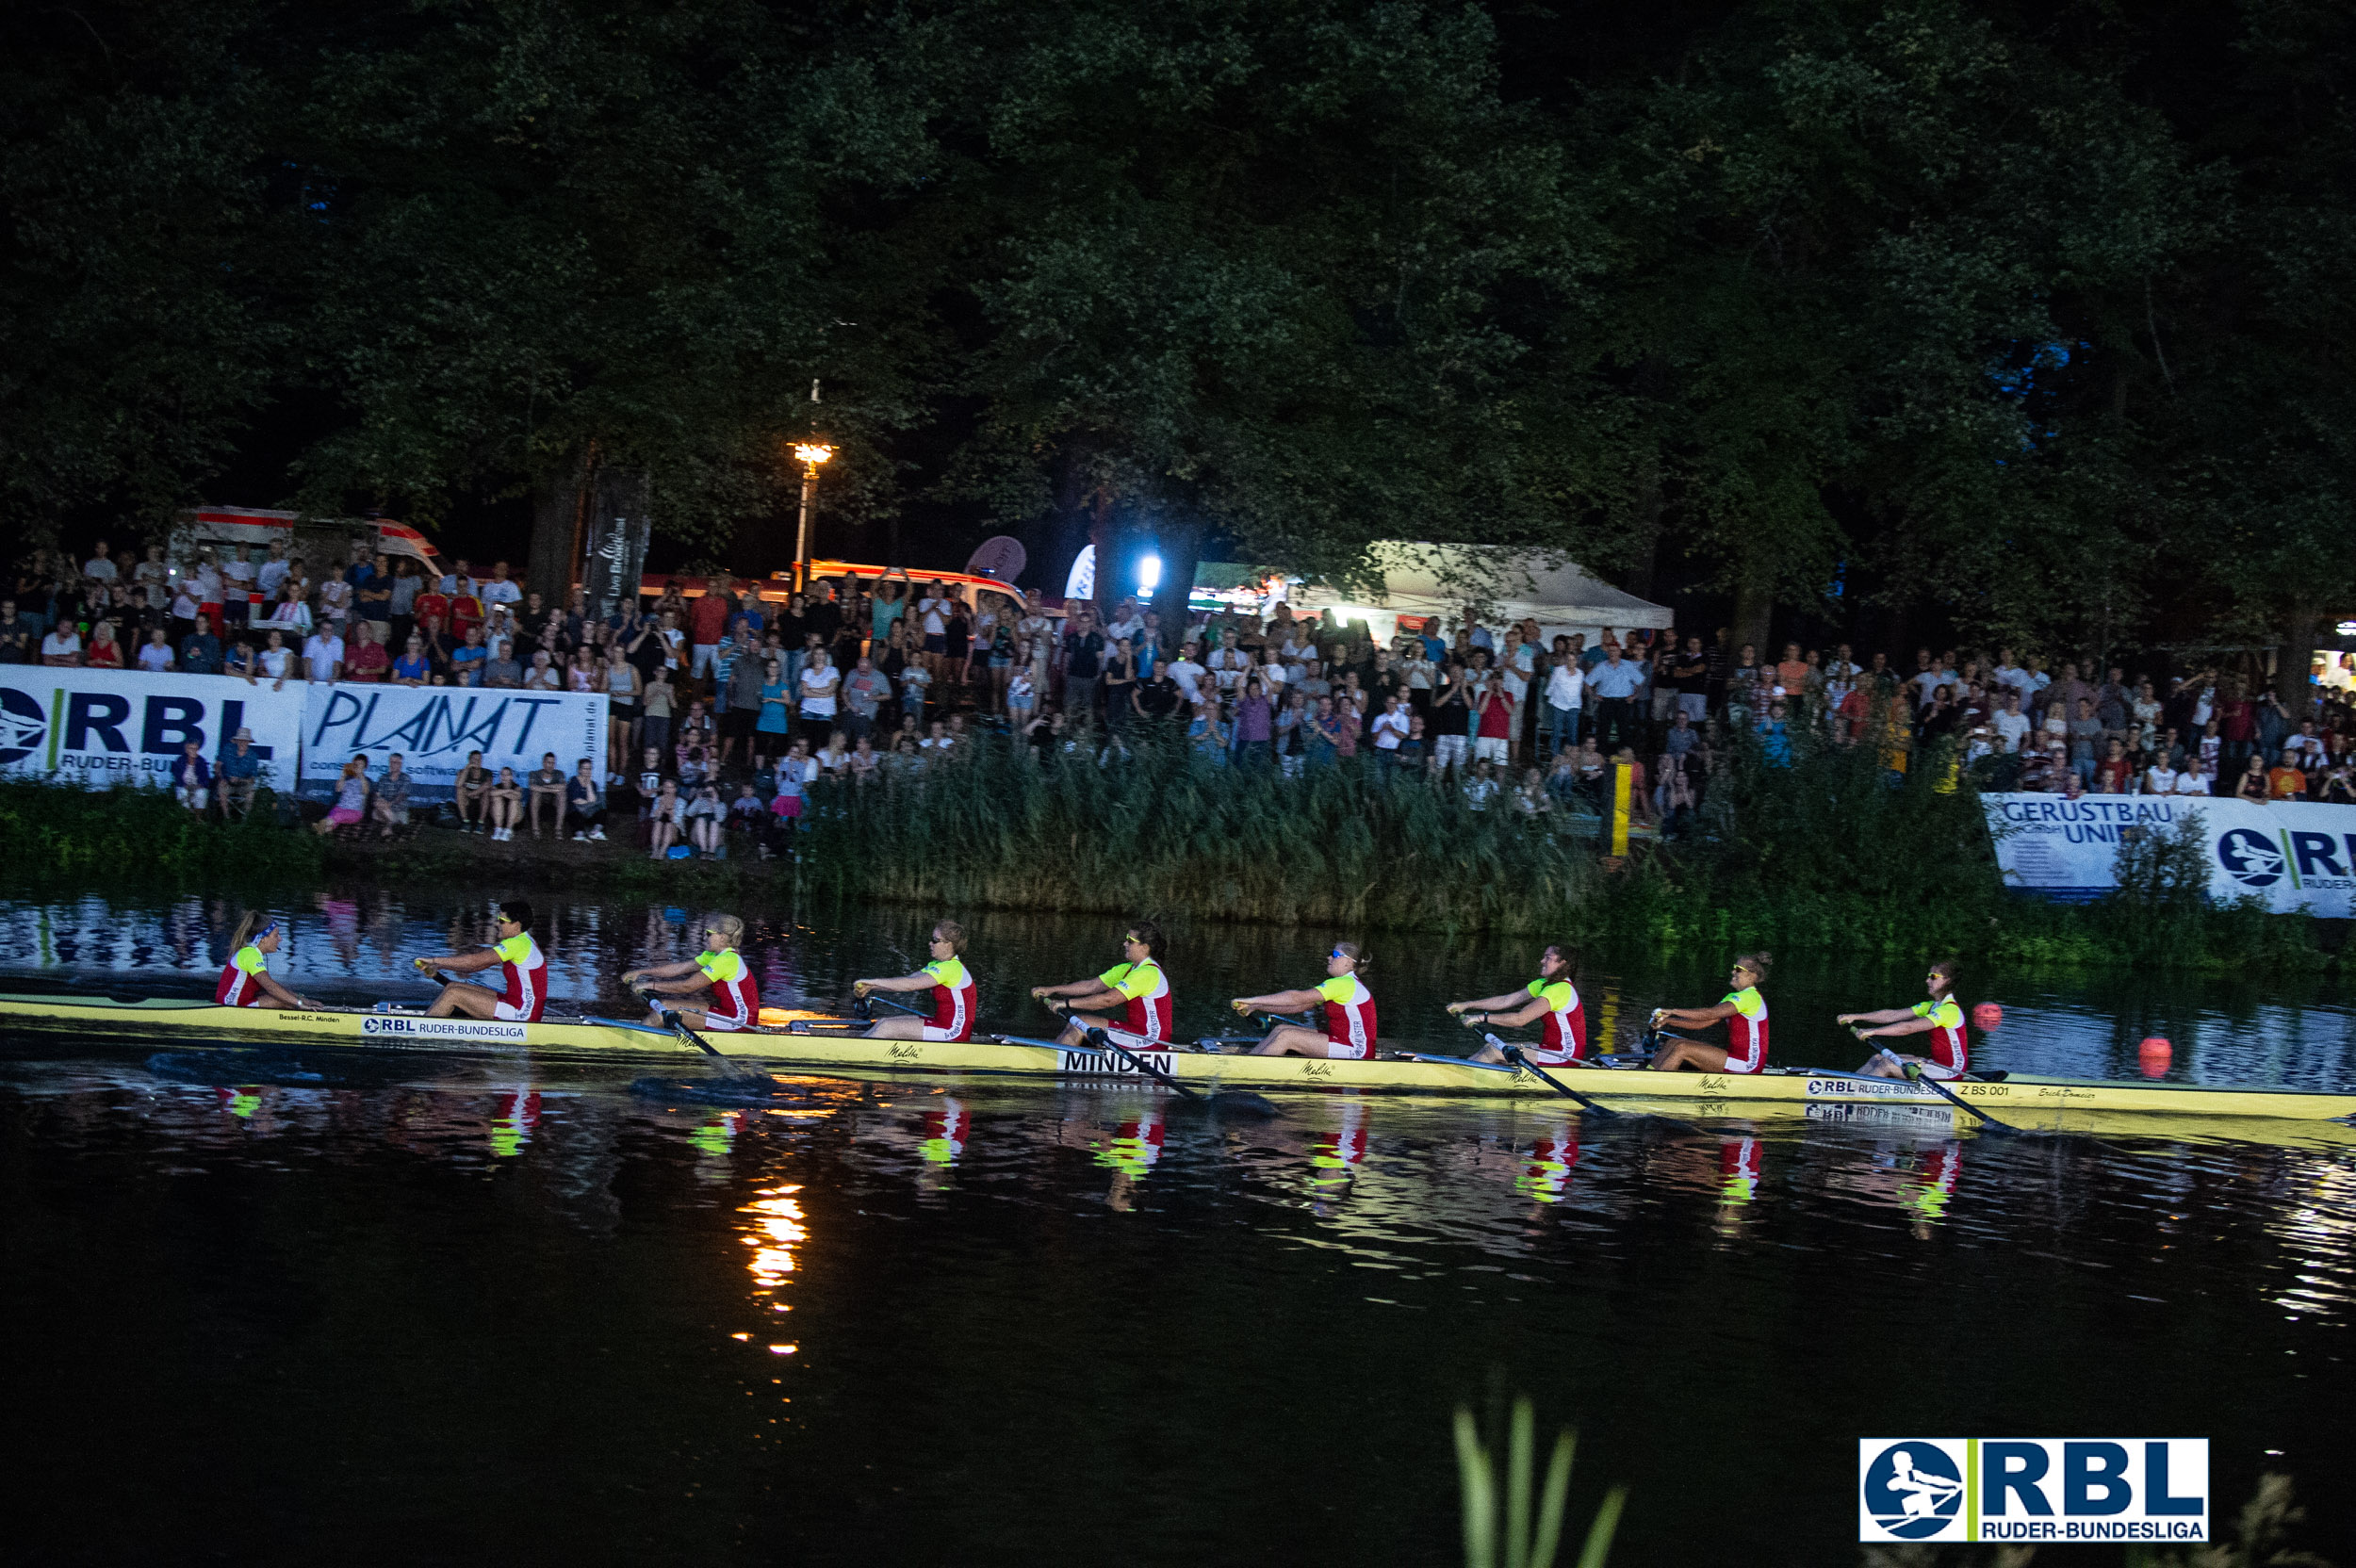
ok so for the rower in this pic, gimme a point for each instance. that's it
(1137, 985)
(524, 966)
(720, 968)
(1941, 1017)
(1553, 996)
(1745, 1014)
(952, 984)
(245, 979)
(1348, 1033)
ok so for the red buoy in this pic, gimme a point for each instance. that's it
(1986, 1016)
(2154, 1052)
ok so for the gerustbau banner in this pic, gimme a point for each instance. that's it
(435, 727)
(2292, 855)
(108, 727)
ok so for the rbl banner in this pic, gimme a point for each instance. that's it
(112, 727)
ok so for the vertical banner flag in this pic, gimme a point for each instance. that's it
(2287, 854)
(112, 727)
(435, 727)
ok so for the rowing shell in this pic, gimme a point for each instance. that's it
(1695, 1092)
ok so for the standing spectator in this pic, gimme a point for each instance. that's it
(498, 588)
(100, 567)
(502, 670)
(192, 778)
(365, 658)
(1565, 691)
(323, 655)
(19, 637)
(467, 661)
(2011, 725)
(654, 729)
(1493, 711)
(2253, 785)
(706, 622)
(821, 685)
(400, 603)
(865, 690)
(390, 807)
(2085, 733)
(2114, 775)
(1082, 666)
(413, 668)
(543, 676)
(152, 579)
(372, 599)
(200, 651)
(1614, 683)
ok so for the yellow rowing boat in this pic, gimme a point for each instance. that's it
(800, 1039)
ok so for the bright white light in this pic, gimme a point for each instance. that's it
(1149, 574)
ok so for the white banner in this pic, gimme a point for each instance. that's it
(434, 727)
(110, 727)
(2292, 855)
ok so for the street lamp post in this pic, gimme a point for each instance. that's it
(811, 454)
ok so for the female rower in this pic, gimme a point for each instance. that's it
(1941, 1018)
(245, 979)
(719, 967)
(952, 984)
(1348, 1033)
(1553, 996)
(1745, 1014)
(522, 965)
(1137, 985)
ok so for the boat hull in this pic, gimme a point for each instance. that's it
(2017, 1097)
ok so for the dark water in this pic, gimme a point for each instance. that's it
(479, 1308)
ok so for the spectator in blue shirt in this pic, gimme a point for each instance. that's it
(200, 651)
(237, 775)
(467, 661)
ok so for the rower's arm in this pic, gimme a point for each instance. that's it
(1906, 1024)
(917, 982)
(1102, 999)
(463, 963)
(1695, 1018)
(270, 987)
(1488, 1004)
(1888, 1015)
(660, 972)
(1533, 1008)
(1090, 988)
(1277, 1001)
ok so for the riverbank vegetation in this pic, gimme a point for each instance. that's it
(128, 837)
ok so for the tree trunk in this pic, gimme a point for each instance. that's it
(1182, 548)
(1644, 528)
(1114, 534)
(1754, 611)
(2292, 688)
(559, 516)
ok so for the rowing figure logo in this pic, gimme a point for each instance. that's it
(1912, 1490)
(22, 726)
(2249, 858)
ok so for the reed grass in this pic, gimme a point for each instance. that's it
(125, 836)
(1502, 1530)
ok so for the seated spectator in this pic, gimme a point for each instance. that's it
(20, 639)
(1481, 786)
(413, 668)
(192, 778)
(237, 775)
(502, 670)
(2338, 787)
(662, 820)
(156, 653)
(864, 760)
(544, 676)
(545, 788)
(104, 652)
(365, 659)
(471, 790)
(391, 806)
(275, 662)
(506, 800)
(707, 817)
(2114, 775)
(323, 655)
(2287, 780)
(1531, 799)
(349, 807)
(746, 810)
(584, 804)
(2253, 785)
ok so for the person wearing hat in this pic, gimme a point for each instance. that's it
(237, 775)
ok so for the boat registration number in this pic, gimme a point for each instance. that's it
(480, 1031)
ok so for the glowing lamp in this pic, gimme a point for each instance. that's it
(812, 454)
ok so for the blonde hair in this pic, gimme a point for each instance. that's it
(1360, 959)
(728, 926)
(255, 921)
(952, 933)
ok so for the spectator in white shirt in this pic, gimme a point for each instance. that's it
(1229, 663)
(323, 654)
(155, 654)
(272, 575)
(2011, 724)
(100, 567)
(1188, 671)
(1565, 689)
(153, 579)
(62, 649)
(460, 571)
(499, 589)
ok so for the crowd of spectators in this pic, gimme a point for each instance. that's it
(732, 705)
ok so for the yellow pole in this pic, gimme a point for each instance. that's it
(801, 544)
(1619, 807)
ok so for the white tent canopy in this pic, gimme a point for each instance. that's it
(1501, 585)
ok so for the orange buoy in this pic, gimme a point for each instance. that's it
(1986, 1016)
(2156, 1053)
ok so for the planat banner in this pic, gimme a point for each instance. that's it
(101, 728)
(2289, 855)
(434, 727)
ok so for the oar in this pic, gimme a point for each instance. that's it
(1916, 1076)
(874, 997)
(1514, 1054)
(679, 1026)
(1231, 1100)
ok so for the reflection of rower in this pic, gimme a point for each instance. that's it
(1553, 997)
(1745, 1014)
(524, 966)
(952, 984)
(720, 968)
(1941, 1018)
(1349, 1012)
(245, 979)
(1136, 985)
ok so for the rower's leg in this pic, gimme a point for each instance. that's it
(1881, 1064)
(1487, 1054)
(900, 1026)
(473, 1001)
(1689, 1055)
(1290, 1039)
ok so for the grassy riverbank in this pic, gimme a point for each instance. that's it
(1827, 857)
